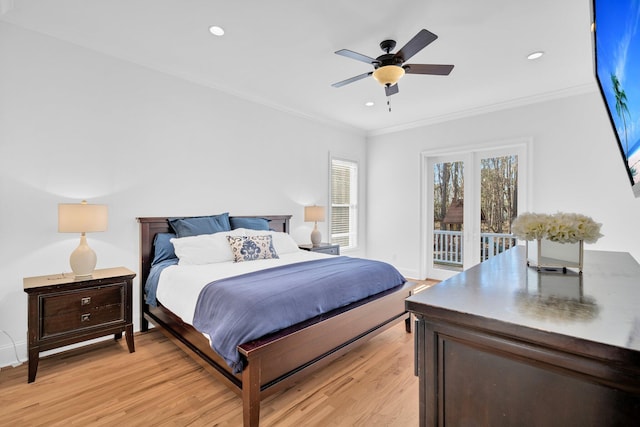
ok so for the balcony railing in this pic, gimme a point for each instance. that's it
(448, 246)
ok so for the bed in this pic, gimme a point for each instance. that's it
(280, 359)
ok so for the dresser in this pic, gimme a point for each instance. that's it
(502, 344)
(64, 310)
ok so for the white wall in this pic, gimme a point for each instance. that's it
(576, 167)
(77, 124)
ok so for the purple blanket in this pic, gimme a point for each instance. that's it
(243, 308)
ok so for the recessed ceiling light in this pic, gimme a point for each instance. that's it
(216, 31)
(535, 55)
(369, 104)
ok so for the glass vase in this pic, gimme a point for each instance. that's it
(547, 254)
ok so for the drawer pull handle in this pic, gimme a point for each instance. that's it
(85, 301)
(85, 317)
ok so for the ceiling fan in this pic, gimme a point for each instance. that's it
(390, 67)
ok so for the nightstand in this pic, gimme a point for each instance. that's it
(325, 248)
(65, 310)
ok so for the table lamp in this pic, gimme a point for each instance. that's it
(82, 218)
(314, 214)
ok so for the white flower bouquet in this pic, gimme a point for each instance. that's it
(560, 227)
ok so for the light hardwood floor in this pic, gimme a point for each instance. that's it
(102, 384)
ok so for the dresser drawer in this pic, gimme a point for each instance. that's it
(77, 310)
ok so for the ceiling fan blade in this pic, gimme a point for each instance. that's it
(435, 69)
(391, 90)
(416, 44)
(352, 79)
(357, 56)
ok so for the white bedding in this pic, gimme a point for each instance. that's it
(180, 285)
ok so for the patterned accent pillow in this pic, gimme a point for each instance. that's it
(251, 248)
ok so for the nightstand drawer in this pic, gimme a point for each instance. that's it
(331, 250)
(324, 248)
(81, 309)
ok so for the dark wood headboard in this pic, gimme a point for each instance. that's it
(150, 226)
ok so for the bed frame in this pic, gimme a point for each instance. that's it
(278, 360)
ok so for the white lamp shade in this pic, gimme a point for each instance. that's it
(82, 218)
(314, 213)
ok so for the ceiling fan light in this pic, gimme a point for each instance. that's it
(388, 75)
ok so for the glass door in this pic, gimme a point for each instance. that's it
(448, 220)
(471, 200)
(498, 202)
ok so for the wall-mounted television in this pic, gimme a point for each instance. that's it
(616, 32)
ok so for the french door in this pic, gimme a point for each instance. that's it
(469, 201)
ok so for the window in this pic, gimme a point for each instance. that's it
(344, 203)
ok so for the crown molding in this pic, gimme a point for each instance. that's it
(513, 103)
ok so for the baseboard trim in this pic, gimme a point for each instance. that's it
(8, 353)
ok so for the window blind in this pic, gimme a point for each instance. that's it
(344, 202)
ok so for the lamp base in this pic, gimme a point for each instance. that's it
(83, 259)
(316, 236)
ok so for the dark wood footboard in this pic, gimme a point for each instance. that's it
(278, 361)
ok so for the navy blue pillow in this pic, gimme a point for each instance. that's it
(163, 248)
(194, 226)
(251, 223)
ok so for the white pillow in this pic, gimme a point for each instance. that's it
(205, 248)
(283, 243)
